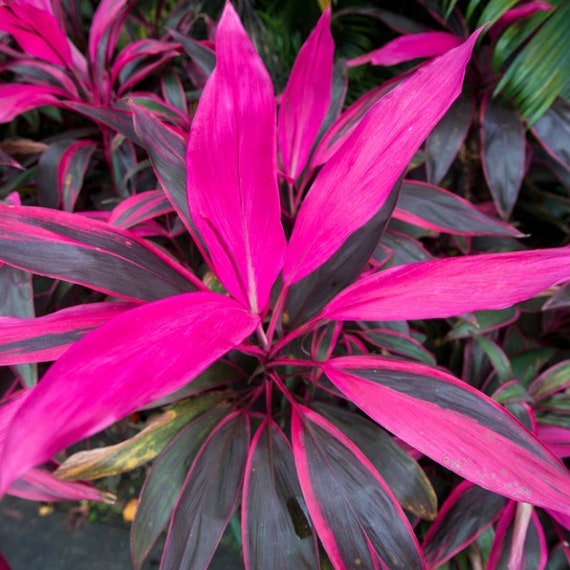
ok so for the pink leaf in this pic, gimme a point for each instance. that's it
(135, 358)
(456, 425)
(46, 338)
(446, 287)
(231, 160)
(17, 98)
(365, 169)
(409, 46)
(37, 32)
(306, 98)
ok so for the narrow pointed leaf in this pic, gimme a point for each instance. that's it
(163, 485)
(444, 142)
(140, 208)
(232, 193)
(438, 288)
(208, 497)
(437, 209)
(92, 253)
(139, 449)
(16, 98)
(400, 471)
(408, 47)
(482, 322)
(276, 531)
(135, 358)
(46, 338)
(357, 518)
(204, 57)
(166, 149)
(413, 400)
(37, 32)
(553, 132)
(306, 98)
(466, 514)
(370, 162)
(555, 379)
(503, 148)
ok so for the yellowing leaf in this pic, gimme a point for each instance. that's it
(130, 510)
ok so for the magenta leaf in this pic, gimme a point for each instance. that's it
(103, 35)
(553, 132)
(456, 425)
(232, 193)
(140, 208)
(306, 98)
(208, 497)
(37, 32)
(61, 170)
(444, 142)
(400, 471)
(503, 149)
(370, 162)
(164, 483)
(307, 297)
(47, 338)
(446, 287)
(17, 98)
(357, 518)
(135, 358)
(519, 541)
(466, 514)
(408, 47)
(437, 209)
(92, 253)
(276, 531)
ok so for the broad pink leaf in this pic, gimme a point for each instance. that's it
(446, 287)
(140, 208)
(86, 251)
(408, 47)
(208, 497)
(17, 98)
(356, 516)
(437, 209)
(503, 152)
(306, 98)
(46, 338)
(276, 533)
(135, 358)
(370, 162)
(231, 161)
(456, 425)
(468, 512)
(556, 438)
(37, 32)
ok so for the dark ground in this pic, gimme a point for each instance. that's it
(32, 542)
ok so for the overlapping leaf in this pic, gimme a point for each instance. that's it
(371, 160)
(135, 358)
(456, 425)
(89, 252)
(232, 193)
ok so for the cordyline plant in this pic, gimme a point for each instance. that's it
(277, 381)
